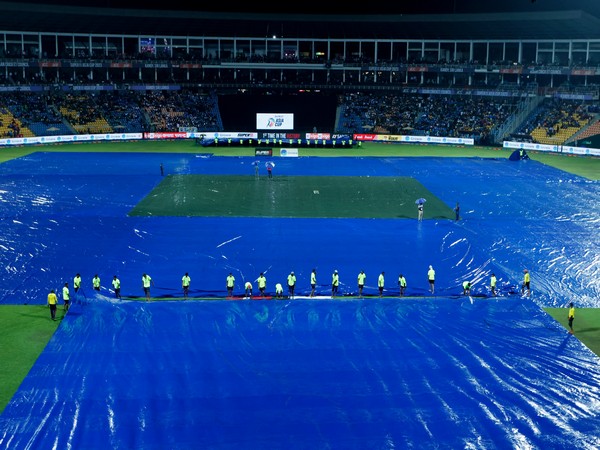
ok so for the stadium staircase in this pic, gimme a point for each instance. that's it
(6, 119)
(591, 129)
(563, 134)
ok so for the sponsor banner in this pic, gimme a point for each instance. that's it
(155, 65)
(364, 137)
(69, 138)
(452, 69)
(435, 91)
(566, 96)
(418, 69)
(50, 64)
(263, 151)
(23, 88)
(229, 135)
(83, 64)
(152, 87)
(319, 136)
(512, 70)
(590, 72)
(89, 87)
(276, 136)
(292, 152)
(439, 140)
(274, 121)
(389, 138)
(187, 66)
(583, 151)
(166, 135)
(382, 68)
(398, 138)
(121, 65)
(544, 71)
(15, 64)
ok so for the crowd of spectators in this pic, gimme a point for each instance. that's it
(122, 111)
(176, 110)
(107, 111)
(425, 115)
(553, 115)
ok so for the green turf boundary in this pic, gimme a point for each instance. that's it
(26, 331)
(584, 166)
(586, 325)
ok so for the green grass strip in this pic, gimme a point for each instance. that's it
(585, 166)
(26, 329)
(586, 325)
(290, 196)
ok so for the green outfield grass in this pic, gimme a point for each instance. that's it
(25, 332)
(586, 325)
(585, 166)
(289, 196)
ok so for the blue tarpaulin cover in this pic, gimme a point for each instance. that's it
(443, 371)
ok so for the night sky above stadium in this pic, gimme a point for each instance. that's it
(320, 7)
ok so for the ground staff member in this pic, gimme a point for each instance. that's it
(77, 283)
(380, 283)
(66, 296)
(313, 282)
(291, 281)
(52, 301)
(526, 283)
(402, 284)
(146, 282)
(362, 276)
(117, 286)
(431, 279)
(96, 282)
(185, 284)
(335, 283)
(571, 316)
(493, 283)
(230, 283)
(262, 284)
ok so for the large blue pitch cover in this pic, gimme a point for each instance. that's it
(443, 371)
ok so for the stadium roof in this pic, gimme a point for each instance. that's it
(464, 23)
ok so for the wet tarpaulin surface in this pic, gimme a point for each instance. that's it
(64, 214)
(421, 372)
(390, 373)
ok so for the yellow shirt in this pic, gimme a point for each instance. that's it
(361, 278)
(335, 279)
(52, 300)
(230, 281)
(262, 282)
(291, 280)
